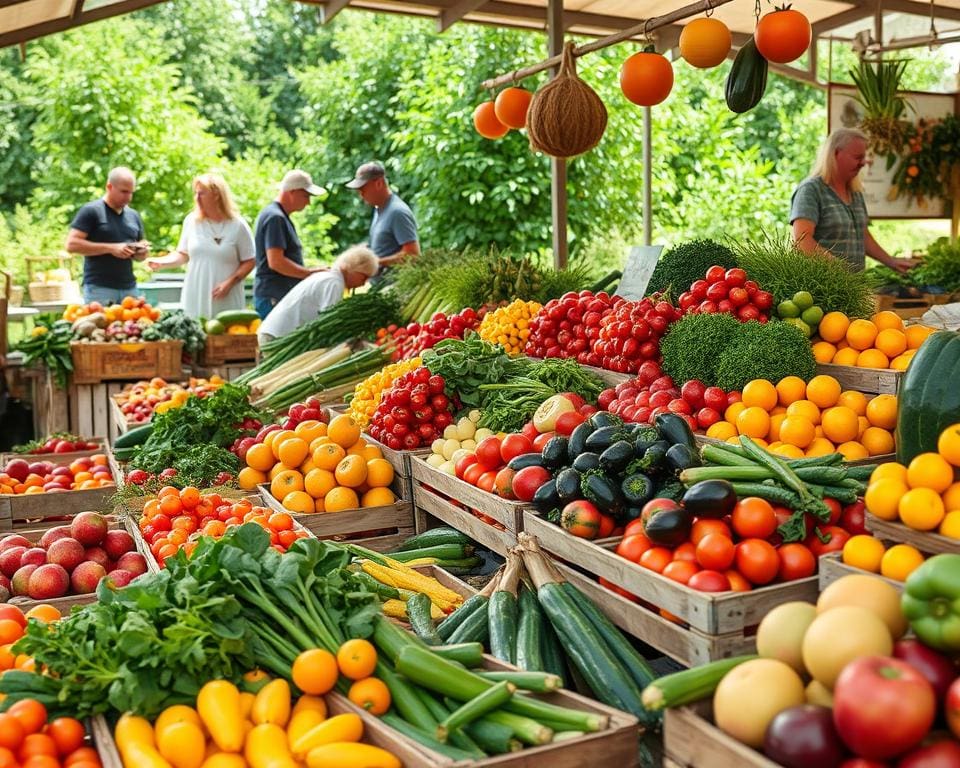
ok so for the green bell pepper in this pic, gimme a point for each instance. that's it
(931, 602)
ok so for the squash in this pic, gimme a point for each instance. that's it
(747, 80)
(928, 401)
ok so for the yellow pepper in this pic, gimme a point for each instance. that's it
(267, 747)
(272, 704)
(218, 705)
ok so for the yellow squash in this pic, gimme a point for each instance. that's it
(218, 705)
(341, 728)
(347, 755)
(272, 704)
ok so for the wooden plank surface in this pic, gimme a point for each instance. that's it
(712, 613)
(102, 737)
(692, 740)
(928, 542)
(877, 381)
(832, 568)
(483, 533)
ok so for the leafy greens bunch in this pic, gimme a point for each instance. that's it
(175, 324)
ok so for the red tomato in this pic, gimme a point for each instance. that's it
(486, 481)
(703, 527)
(488, 452)
(464, 463)
(634, 526)
(837, 538)
(686, 552)
(754, 518)
(952, 708)
(757, 560)
(715, 552)
(607, 524)
(541, 440)
(567, 422)
(582, 519)
(835, 510)
(796, 562)
(716, 398)
(656, 558)
(853, 518)
(514, 445)
(680, 571)
(529, 431)
(503, 483)
(472, 473)
(632, 546)
(709, 581)
(527, 481)
(737, 582)
(655, 505)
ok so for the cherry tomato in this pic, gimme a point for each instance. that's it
(709, 581)
(633, 545)
(838, 537)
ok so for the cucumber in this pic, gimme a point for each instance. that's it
(418, 613)
(747, 80)
(689, 685)
(529, 655)
(405, 700)
(441, 712)
(860, 472)
(134, 437)
(502, 615)
(439, 551)
(475, 629)
(552, 653)
(468, 654)
(236, 317)
(434, 537)
(426, 739)
(476, 602)
(493, 738)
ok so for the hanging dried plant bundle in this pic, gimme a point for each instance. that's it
(878, 92)
(566, 117)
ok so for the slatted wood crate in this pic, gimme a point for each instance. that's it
(228, 348)
(926, 541)
(430, 504)
(46, 510)
(691, 740)
(60, 459)
(875, 381)
(832, 568)
(96, 362)
(102, 738)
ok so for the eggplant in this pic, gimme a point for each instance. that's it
(630, 513)
(644, 432)
(603, 492)
(637, 489)
(674, 429)
(669, 527)
(525, 460)
(604, 419)
(546, 498)
(577, 443)
(602, 438)
(615, 458)
(651, 459)
(586, 461)
(710, 498)
(554, 453)
(681, 457)
(642, 446)
(568, 484)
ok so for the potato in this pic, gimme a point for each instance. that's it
(468, 445)
(450, 432)
(482, 433)
(437, 446)
(435, 460)
(465, 429)
(448, 468)
(450, 447)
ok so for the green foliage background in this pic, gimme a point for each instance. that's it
(254, 87)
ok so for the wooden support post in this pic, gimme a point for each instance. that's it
(558, 165)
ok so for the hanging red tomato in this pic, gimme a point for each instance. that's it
(646, 78)
(511, 107)
(705, 43)
(783, 35)
(486, 123)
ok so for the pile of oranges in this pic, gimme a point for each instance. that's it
(880, 342)
(317, 467)
(922, 495)
(130, 308)
(13, 624)
(870, 554)
(797, 419)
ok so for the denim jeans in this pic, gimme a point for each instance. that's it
(107, 296)
(263, 305)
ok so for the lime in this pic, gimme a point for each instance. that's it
(798, 323)
(812, 316)
(787, 309)
(215, 327)
(803, 300)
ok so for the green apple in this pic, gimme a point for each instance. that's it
(812, 316)
(798, 323)
(803, 299)
(786, 309)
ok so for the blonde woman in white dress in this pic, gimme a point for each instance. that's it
(216, 244)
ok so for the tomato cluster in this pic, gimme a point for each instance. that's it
(652, 393)
(413, 413)
(31, 738)
(727, 291)
(569, 326)
(64, 444)
(410, 340)
(175, 520)
(630, 335)
(486, 467)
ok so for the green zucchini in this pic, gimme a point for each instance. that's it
(440, 712)
(493, 738)
(474, 629)
(418, 613)
(689, 685)
(468, 654)
(405, 700)
(529, 654)
(236, 317)
(747, 80)
(552, 653)
(134, 437)
(526, 729)
(473, 603)
(385, 591)
(488, 701)
(439, 551)
(434, 537)
(426, 738)
(538, 682)
(502, 613)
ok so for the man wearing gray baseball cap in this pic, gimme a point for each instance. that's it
(393, 231)
(279, 253)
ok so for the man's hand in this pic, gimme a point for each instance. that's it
(902, 265)
(220, 290)
(122, 250)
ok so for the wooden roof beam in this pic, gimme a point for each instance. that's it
(921, 9)
(68, 22)
(861, 11)
(330, 9)
(450, 16)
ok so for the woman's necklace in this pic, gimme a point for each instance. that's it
(217, 235)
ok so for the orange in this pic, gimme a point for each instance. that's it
(249, 478)
(273, 439)
(887, 320)
(861, 334)
(733, 411)
(846, 356)
(377, 497)
(863, 424)
(340, 499)
(797, 431)
(950, 525)
(343, 430)
(371, 452)
(260, 457)
(855, 401)
(379, 473)
(310, 430)
(358, 449)
(760, 393)
(901, 362)
(900, 561)
(872, 358)
(916, 335)
(833, 327)
(371, 694)
(852, 451)
(889, 470)
(754, 421)
(351, 471)
(298, 501)
(780, 408)
(840, 424)
(357, 659)
(823, 391)
(319, 506)
(951, 497)
(790, 451)
(286, 481)
(44, 612)
(877, 441)
(775, 422)
(948, 444)
(921, 509)
(276, 470)
(930, 470)
(318, 441)
(315, 671)
(790, 389)
(823, 352)
(820, 447)
(307, 465)
(319, 482)
(292, 451)
(882, 411)
(864, 552)
(806, 409)
(327, 456)
(10, 631)
(722, 430)
(891, 342)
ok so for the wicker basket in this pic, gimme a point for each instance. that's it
(51, 292)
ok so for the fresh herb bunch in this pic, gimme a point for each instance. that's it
(49, 345)
(686, 262)
(940, 266)
(196, 465)
(466, 365)
(692, 345)
(778, 266)
(175, 324)
(770, 351)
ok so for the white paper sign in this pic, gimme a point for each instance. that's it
(640, 264)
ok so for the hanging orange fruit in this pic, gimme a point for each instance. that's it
(646, 78)
(783, 35)
(511, 107)
(486, 122)
(705, 43)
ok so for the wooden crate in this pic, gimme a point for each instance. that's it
(709, 613)
(223, 348)
(60, 459)
(92, 411)
(691, 740)
(226, 371)
(617, 744)
(876, 381)
(832, 568)
(121, 422)
(96, 362)
(926, 541)
(46, 510)
(102, 738)
(430, 503)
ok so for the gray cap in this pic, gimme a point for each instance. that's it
(367, 173)
(300, 180)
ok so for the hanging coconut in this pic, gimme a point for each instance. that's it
(566, 117)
